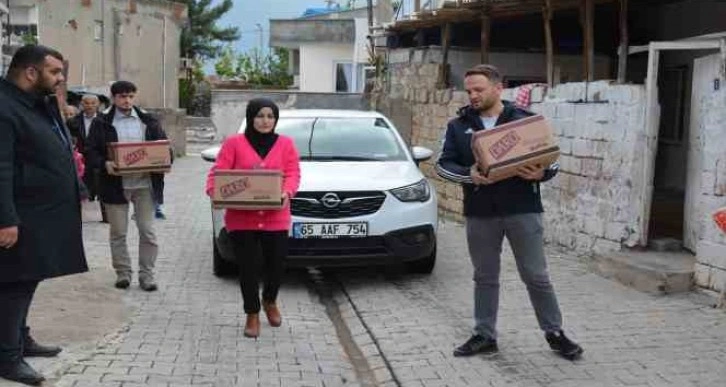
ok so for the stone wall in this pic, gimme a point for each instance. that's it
(594, 204)
(229, 106)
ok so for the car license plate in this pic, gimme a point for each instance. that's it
(329, 230)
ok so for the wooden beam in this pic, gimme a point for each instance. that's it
(587, 11)
(417, 6)
(486, 33)
(623, 50)
(443, 82)
(547, 16)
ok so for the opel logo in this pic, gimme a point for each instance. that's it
(330, 200)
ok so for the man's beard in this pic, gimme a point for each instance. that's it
(486, 105)
(43, 89)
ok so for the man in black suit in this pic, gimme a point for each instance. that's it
(40, 213)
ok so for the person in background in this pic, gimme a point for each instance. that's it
(80, 126)
(69, 112)
(260, 237)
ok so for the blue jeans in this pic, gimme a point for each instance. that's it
(524, 233)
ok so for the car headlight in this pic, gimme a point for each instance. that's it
(419, 192)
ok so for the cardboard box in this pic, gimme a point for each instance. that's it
(140, 157)
(500, 151)
(247, 189)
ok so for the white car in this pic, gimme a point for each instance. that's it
(362, 198)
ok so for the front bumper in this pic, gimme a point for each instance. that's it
(405, 245)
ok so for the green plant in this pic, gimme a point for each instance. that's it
(255, 67)
(28, 38)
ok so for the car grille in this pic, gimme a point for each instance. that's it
(333, 205)
(337, 247)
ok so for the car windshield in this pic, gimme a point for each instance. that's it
(343, 139)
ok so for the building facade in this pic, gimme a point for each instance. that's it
(108, 40)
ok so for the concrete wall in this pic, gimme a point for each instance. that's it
(139, 43)
(292, 32)
(175, 125)
(707, 172)
(593, 205)
(318, 57)
(666, 21)
(229, 106)
(317, 65)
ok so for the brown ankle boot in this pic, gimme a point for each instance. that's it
(273, 314)
(252, 327)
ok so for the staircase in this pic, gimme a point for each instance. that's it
(659, 272)
(200, 130)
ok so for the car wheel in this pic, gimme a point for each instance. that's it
(221, 267)
(423, 266)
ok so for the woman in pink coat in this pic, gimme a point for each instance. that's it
(260, 237)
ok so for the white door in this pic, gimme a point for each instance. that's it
(705, 75)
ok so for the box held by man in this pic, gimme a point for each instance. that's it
(247, 189)
(502, 150)
(138, 157)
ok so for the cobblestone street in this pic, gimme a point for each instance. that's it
(382, 328)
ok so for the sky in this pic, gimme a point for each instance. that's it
(247, 13)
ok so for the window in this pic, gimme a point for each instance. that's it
(98, 30)
(344, 78)
(353, 139)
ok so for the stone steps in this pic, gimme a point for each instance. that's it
(649, 271)
(200, 130)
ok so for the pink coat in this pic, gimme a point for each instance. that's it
(237, 153)
(80, 163)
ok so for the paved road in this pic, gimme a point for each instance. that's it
(382, 328)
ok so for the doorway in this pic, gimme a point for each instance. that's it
(674, 91)
(669, 182)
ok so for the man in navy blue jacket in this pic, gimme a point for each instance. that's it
(493, 210)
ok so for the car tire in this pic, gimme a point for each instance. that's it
(221, 267)
(423, 266)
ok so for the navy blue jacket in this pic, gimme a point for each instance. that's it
(507, 197)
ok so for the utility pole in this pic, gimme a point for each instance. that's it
(259, 49)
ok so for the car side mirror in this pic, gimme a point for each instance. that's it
(421, 154)
(210, 154)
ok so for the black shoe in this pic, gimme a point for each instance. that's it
(477, 344)
(564, 346)
(21, 372)
(32, 349)
(148, 285)
(122, 283)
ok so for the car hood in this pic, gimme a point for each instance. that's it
(357, 176)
